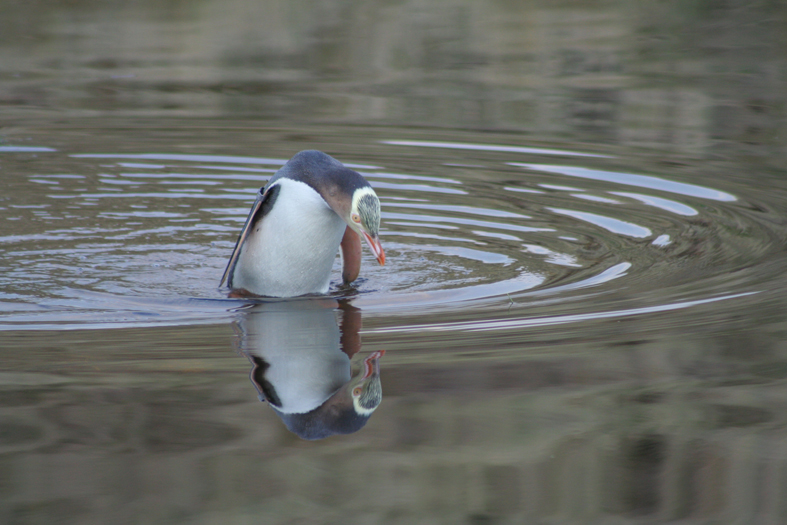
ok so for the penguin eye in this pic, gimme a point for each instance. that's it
(356, 218)
(357, 391)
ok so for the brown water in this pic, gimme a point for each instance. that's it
(582, 310)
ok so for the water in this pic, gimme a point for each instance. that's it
(582, 310)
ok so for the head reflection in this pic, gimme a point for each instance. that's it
(300, 351)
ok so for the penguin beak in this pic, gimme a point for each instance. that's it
(372, 365)
(377, 248)
(367, 392)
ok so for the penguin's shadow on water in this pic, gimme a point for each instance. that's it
(301, 352)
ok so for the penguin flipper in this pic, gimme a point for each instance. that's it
(265, 199)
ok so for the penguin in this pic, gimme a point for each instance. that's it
(310, 208)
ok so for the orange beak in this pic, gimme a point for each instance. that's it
(371, 364)
(377, 248)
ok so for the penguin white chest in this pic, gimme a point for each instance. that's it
(292, 249)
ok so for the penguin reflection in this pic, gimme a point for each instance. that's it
(301, 365)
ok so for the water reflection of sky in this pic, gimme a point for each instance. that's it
(631, 179)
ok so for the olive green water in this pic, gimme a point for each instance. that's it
(582, 309)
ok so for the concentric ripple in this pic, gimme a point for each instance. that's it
(132, 239)
(551, 229)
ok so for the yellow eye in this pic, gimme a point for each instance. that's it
(357, 391)
(356, 217)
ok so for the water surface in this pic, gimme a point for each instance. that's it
(582, 308)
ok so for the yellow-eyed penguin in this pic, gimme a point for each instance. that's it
(312, 206)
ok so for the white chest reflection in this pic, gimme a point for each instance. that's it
(301, 353)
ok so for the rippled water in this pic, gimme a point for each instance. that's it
(582, 314)
(112, 239)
